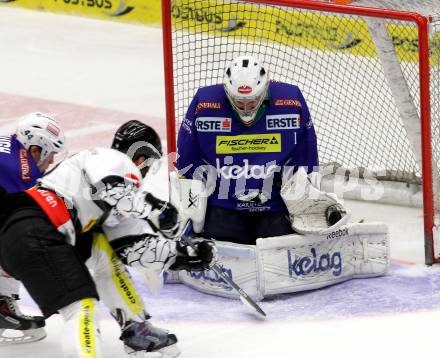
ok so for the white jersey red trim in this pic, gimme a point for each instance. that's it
(56, 210)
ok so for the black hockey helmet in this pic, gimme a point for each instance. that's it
(135, 138)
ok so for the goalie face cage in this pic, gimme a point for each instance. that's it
(370, 77)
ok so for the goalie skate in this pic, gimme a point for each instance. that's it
(17, 328)
(143, 340)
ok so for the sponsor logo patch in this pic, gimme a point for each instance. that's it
(283, 121)
(246, 170)
(287, 103)
(25, 168)
(208, 105)
(212, 277)
(213, 124)
(252, 207)
(338, 233)
(51, 204)
(252, 143)
(186, 125)
(314, 264)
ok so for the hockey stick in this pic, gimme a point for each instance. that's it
(244, 297)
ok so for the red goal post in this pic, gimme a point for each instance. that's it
(370, 76)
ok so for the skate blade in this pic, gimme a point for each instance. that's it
(166, 352)
(27, 336)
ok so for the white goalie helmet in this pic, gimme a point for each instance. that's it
(246, 81)
(43, 131)
(115, 180)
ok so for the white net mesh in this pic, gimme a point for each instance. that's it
(365, 117)
(331, 57)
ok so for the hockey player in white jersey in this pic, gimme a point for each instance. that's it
(142, 144)
(41, 228)
(138, 243)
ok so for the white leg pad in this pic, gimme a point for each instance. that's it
(238, 262)
(295, 263)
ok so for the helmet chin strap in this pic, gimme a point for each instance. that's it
(251, 120)
(258, 114)
(42, 159)
(248, 121)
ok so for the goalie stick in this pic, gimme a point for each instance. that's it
(244, 297)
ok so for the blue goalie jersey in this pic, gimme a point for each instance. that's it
(17, 167)
(244, 166)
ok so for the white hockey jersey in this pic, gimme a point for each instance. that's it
(74, 178)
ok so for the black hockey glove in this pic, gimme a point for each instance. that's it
(164, 216)
(200, 259)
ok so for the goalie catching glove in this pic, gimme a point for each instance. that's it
(312, 211)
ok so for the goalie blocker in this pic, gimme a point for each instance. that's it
(295, 263)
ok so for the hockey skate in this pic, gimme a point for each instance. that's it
(30, 328)
(143, 340)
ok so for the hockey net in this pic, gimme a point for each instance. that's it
(370, 76)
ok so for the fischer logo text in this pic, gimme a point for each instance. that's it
(251, 143)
